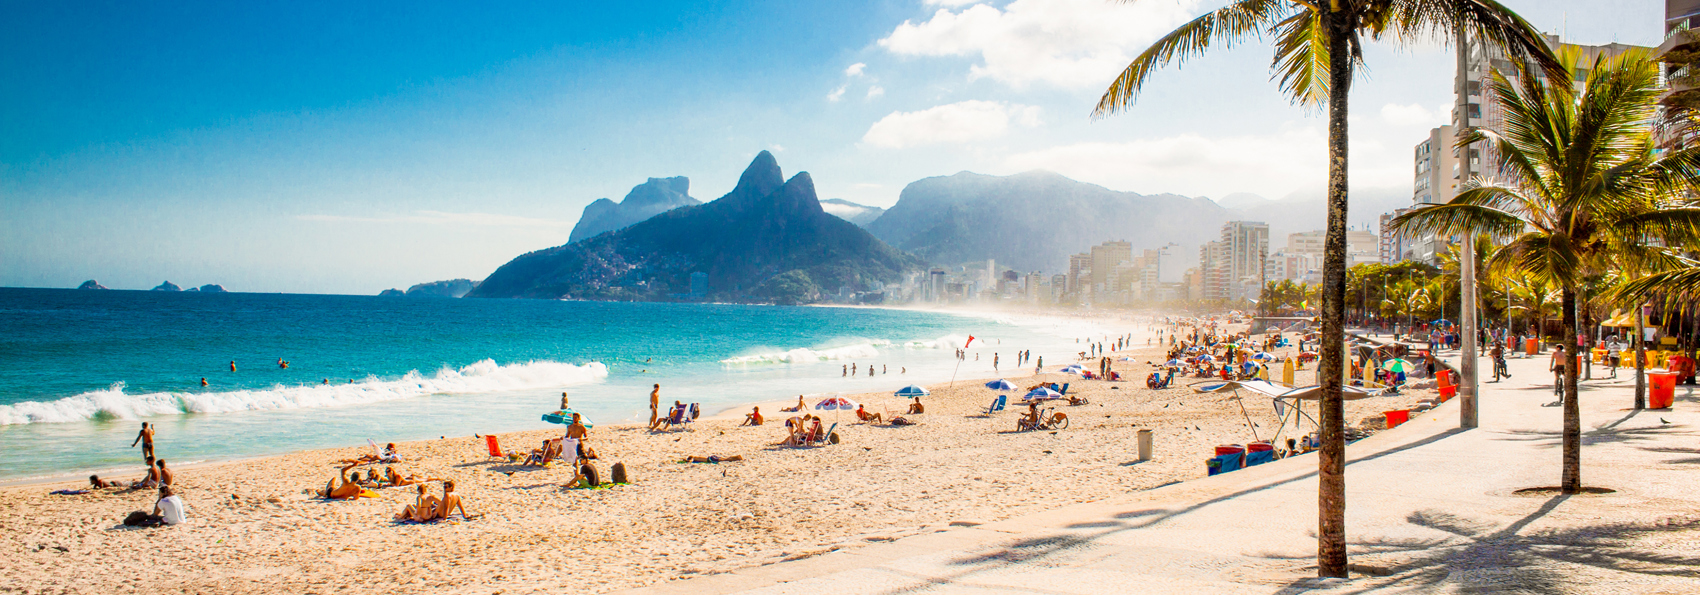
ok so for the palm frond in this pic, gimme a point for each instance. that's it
(1458, 217)
(1227, 25)
(1301, 58)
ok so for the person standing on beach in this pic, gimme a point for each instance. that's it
(576, 433)
(844, 371)
(146, 438)
(994, 362)
(654, 406)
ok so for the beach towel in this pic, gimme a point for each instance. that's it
(1224, 463)
(67, 492)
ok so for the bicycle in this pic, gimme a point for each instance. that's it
(1049, 419)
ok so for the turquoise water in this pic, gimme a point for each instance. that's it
(80, 369)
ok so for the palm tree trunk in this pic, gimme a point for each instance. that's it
(1640, 358)
(1572, 477)
(1331, 461)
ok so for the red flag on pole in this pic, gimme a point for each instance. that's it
(970, 342)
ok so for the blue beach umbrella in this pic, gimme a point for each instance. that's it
(565, 418)
(912, 391)
(1263, 356)
(1043, 393)
(1000, 384)
(1174, 363)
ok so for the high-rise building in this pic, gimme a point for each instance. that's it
(1247, 246)
(1682, 40)
(1106, 257)
(1079, 274)
(1394, 246)
(1172, 263)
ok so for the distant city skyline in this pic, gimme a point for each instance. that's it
(335, 148)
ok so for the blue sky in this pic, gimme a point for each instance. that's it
(350, 147)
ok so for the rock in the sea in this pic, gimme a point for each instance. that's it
(168, 286)
(392, 292)
(91, 284)
(452, 288)
(212, 288)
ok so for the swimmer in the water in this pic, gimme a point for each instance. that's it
(327, 381)
(282, 364)
(233, 365)
(203, 382)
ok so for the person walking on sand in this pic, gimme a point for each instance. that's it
(994, 362)
(146, 438)
(654, 406)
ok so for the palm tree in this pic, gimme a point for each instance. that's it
(1318, 44)
(1579, 191)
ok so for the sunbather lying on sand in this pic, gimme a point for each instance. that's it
(98, 483)
(713, 459)
(800, 406)
(395, 479)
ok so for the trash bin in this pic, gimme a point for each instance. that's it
(1663, 390)
(1531, 345)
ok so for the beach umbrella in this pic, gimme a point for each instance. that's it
(1072, 369)
(1264, 356)
(1442, 322)
(1397, 366)
(1174, 363)
(1206, 358)
(835, 403)
(565, 418)
(912, 391)
(1043, 393)
(1000, 384)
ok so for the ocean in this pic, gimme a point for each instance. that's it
(79, 370)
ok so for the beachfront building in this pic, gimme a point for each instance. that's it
(1679, 54)
(1235, 262)
(1106, 280)
(1394, 246)
(1172, 263)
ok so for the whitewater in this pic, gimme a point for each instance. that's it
(79, 371)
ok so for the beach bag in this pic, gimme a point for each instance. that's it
(832, 438)
(618, 474)
(135, 519)
(591, 477)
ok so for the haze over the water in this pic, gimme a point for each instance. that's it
(336, 147)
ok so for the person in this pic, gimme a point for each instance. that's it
(753, 418)
(1557, 368)
(1614, 356)
(576, 433)
(203, 382)
(864, 415)
(540, 456)
(423, 506)
(916, 407)
(100, 484)
(347, 491)
(233, 365)
(799, 407)
(149, 481)
(146, 438)
(844, 371)
(994, 362)
(168, 510)
(164, 474)
(564, 405)
(395, 479)
(654, 406)
(282, 364)
(1031, 418)
(713, 459)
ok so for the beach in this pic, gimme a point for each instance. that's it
(252, 527)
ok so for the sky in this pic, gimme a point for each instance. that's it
(349, 147)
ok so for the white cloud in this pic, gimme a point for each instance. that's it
(1272, 164)
(836, 94)
(1070, 43)
(1415, 115)
(875, 91)
(950, 2)
(855, 69)
(440, 218)
(777, 148)
(953, 123)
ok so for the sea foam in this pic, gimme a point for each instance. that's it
(481, 377)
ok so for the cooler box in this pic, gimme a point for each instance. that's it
(1394, 418)
(1663, 391)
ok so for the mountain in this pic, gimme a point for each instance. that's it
(392, 292)
(768, 240)
(167, 286)
(209, 288)
(452, 288)
(1033, 221)
(861, 215)
(651, 198)
(91, 284)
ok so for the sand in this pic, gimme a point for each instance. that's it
(253, 529)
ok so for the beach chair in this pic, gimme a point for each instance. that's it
(495, 448)
(823, 438)
(997, 404)
(379, 452)
(1064, 390)
(675, 417)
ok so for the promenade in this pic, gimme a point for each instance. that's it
(1431, 508)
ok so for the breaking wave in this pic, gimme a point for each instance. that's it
(480, 377)
(864, 349)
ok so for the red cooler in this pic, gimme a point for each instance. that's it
(1264, 446)
(1663, 391)
(1394, 418)
(1229, 449)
